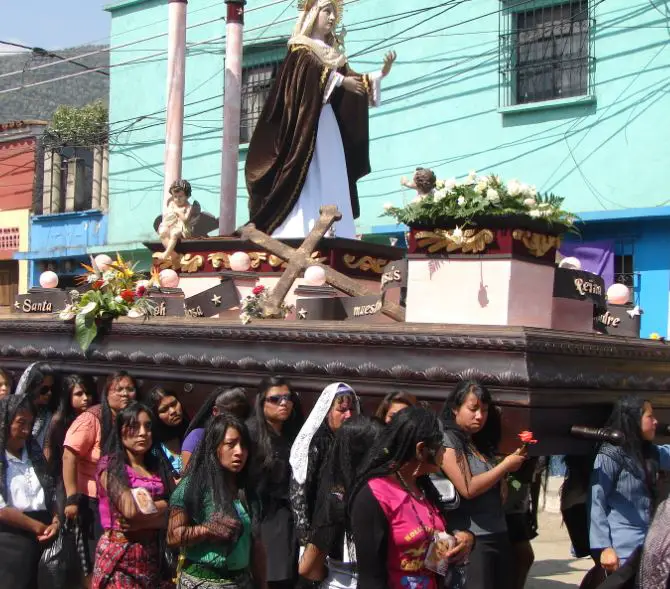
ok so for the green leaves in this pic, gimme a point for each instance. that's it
(85, 329)
(86, 126)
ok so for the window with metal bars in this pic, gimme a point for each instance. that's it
(546, 50)
(624, 257)
(258, 74)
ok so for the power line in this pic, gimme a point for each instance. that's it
(44, 53)
(130, 61)
(99, 51)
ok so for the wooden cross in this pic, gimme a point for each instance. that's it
(299, 259)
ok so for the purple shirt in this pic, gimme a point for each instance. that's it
(191, 442)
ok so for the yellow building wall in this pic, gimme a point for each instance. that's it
(19, 218)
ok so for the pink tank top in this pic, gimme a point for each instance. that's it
(108, 513)
(411, 526)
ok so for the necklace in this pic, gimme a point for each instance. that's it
(421, 496)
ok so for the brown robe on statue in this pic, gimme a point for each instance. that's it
(283, 142)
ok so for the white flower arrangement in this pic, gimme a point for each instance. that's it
(480, 196)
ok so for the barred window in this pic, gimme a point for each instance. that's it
(624, 256)
(257, 79)
(9, 238)
(546, 51)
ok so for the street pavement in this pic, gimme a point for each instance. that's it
(554, 566)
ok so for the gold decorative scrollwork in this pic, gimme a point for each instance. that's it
(364, 263)
(219, 260)
(173, 261)
(277, 262)
(469, 241)
(257, 258)
(191, 263)
(537, 243)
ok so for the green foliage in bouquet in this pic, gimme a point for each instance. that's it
(116, 291)
(478, 196)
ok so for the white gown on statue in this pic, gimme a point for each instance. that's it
(326, 182)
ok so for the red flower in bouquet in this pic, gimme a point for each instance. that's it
(98, 284)
(527, 438)
(141, 291)
(258, 289)
(127, 295)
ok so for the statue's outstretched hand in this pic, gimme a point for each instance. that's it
(389, 59)
(353, 84)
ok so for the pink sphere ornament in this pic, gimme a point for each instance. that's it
(168, 278)
(571, 263)
(618, 294)
(315, 275)
(240, 262)
(102, 261)
(48, 279)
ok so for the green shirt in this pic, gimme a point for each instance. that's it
(211, 553)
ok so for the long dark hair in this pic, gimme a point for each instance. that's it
(487, 439)
(106, 415)
(341, 469)
(204, 473)
(396, 445)
(161, 431)
(626, 417)
(264, 453)
(231, 400)
(65, 414)
(117, 458)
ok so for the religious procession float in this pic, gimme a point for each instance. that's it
(479, 292)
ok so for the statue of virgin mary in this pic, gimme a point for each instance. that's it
(310, 145)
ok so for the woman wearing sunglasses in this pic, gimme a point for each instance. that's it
(276, 421)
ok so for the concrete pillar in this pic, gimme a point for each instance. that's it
(104, 180)
(51, 194)
(47, 182)
(232, 97)
(75, 187)
(97, 177)
(176, 73)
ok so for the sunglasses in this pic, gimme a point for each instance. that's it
(278, 399)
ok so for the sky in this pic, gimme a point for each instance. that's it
(54, 25)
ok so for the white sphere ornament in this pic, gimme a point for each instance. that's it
(570, 263)
(240, 262)
(618, 294)
(102, 261)
(48, 279)
(168, 278)
(315, 275)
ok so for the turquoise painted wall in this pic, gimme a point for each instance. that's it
(440, 106)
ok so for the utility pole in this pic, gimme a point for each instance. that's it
(176, 79)
(232, 98)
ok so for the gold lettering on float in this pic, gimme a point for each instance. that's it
(195, 312)
(392, 275)
(609, 320)
(160, 310)
(39, 307)
(586, 286)
(363, 310)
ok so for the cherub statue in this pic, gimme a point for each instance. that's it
(179, 217)
(423, 182)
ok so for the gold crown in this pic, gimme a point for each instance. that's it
(306, 5)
